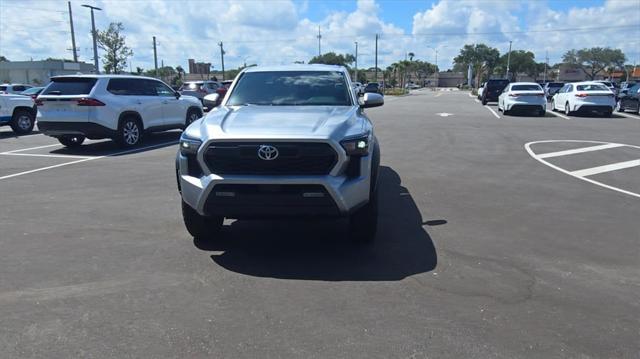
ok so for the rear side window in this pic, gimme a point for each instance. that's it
(212, 85)
(70, 86)
(3, 88)
(124, 87)
(19, 88)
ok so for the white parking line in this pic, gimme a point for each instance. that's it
(41, 155)
(527, 147)
(492, 111)
(580, 150)
(558, 115)
(476, 100)
(628, 115)
(32, 148)
(140, 149)
(606, 168)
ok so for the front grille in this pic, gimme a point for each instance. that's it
(294, 158)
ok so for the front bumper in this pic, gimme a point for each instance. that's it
(242, 196)
(90, 130)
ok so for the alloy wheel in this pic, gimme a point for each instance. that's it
(131, 133)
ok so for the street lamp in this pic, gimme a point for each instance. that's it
(437, 70)
(93, 32)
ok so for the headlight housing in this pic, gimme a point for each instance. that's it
(189, 146)
(356, 146)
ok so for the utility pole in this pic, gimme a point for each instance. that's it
(319, 40)
(437, 70)
(509, 60)
(73, 35)
(95, 34)
(546, 63)
(376, 69)
(222, 57)
(356, 74)
(155, 56)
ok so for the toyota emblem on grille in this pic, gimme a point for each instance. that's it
(267, 152)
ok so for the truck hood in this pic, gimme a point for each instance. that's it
(255, 121)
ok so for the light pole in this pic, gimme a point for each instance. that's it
(356, 74)
(435, 49)
(93, 32)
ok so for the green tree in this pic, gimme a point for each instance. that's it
(411, 56)
(520, 62)
(482, 58)
(3, 59)
(331, 58)
(592, 61)
(139, 70)
(116, 51)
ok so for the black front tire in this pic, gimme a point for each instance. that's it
(363, 224)
(22, 122)
(201, 227)
(71, 141)
(192, 115)
(484, 101)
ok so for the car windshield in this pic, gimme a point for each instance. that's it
(555, 84)
(291, 88)
(70, 86)
(31, 91)
(592, 87)
(526, 88)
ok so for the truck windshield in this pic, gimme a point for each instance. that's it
(291, 88)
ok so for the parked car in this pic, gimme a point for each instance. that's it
(412, 86)
(610, 85)
(480, 91)
(373, 87)
(17, 111)
(523, 96)
(551, 88)
(287, 141)
(492, 90)
(199, 89)
(123, 108)
(589, 97)
(13, 88)
(629, 99)
(32, 92)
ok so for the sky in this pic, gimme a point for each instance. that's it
(272, 32)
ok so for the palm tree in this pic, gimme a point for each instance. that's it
(411, 56)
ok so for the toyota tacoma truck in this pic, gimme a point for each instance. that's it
(286, 141)
(17, 111)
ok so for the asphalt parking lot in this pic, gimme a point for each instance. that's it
(500, 237)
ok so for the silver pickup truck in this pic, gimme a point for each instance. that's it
(285, 141)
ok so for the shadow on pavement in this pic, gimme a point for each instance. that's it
(321, 250)
(110, 148)
(11, 134)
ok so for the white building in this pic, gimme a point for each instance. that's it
(39, 72)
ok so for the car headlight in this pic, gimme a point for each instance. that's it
(189, 146)
(356, 146)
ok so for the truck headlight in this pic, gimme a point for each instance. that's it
(189, 146)
(356, 146)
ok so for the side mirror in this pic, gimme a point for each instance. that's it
(371, 99)
(211, 100)
(177, 95)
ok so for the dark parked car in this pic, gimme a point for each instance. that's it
(373, 87)
(550, 88)
(493, 89)
(629, 99)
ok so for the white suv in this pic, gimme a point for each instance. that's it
(72, 108)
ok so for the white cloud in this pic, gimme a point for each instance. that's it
(277, 32)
